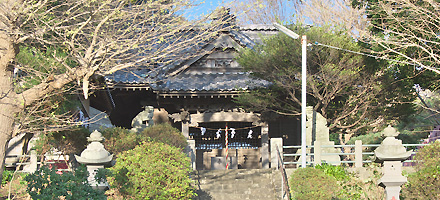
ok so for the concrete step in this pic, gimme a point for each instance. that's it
(238, 184)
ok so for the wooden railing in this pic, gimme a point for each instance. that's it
(31, 161)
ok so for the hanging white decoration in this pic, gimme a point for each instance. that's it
(218, 133)
(232, 132)
(250, 134)
(203, 130)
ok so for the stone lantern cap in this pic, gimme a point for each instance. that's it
(95, 136)
(391, 149)
(95, 152)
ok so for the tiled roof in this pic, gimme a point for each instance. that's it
(130, 75)
(246, 36)
(258, 27)
(212, 81)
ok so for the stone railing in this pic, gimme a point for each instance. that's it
(352, 155)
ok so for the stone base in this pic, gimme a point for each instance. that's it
(220, 163)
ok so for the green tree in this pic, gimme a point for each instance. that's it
(345, 88)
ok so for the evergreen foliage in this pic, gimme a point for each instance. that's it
(166, 134)
(425, 183)
(346, 88)
(46, 183)
(153, 170)
(118, 139)
(310, 183)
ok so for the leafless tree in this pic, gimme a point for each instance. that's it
(335, 13)
(410, 31)
(85, 38)
(263, 11)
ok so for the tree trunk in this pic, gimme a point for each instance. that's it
(6, 129)
(8, 103)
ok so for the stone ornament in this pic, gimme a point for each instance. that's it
(95, 152)
(391, 149)
(391, 153)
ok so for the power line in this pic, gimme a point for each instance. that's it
(364, 54)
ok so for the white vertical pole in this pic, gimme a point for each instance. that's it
(303, 101)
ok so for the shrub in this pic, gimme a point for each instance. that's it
(350, 186)
(68, 141)
(311, 183)
(152, 171)
(7, 176)
(425, 182)
(336, 172)
(118, 139)
(165, 133)
(45, 183)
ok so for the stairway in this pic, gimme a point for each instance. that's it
(238, 184)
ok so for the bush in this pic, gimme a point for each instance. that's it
(45, 183)
(7, 176)
(349, 186)
(425, 182)
(152, 171)
(166, 134)
(68, 141)
(311, 183)
(118, 139)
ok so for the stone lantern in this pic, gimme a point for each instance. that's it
(391, 153)
(95, 157)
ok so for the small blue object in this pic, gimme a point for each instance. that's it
(316, 42)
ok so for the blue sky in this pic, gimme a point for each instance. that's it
(205, 7)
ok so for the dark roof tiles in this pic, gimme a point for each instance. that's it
(212, 81)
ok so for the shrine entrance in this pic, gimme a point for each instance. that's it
(212, 135)
(241, 144)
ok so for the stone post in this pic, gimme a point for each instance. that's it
(391, 153)
(274, 143)
(185, 129)
(191, 152)
(317, 152)
(33, 165)
(264, 147)
(95, 157)
(358, 153)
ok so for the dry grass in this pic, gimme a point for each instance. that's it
(18, 190)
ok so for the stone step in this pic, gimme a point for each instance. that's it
(238, 184)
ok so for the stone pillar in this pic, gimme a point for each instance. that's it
(358, 153)
(317, 152)
(185, 129)
(392, 179)
(264, 147)
(191, 152)
(33, 161)
(274, 159)
(391, 153)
